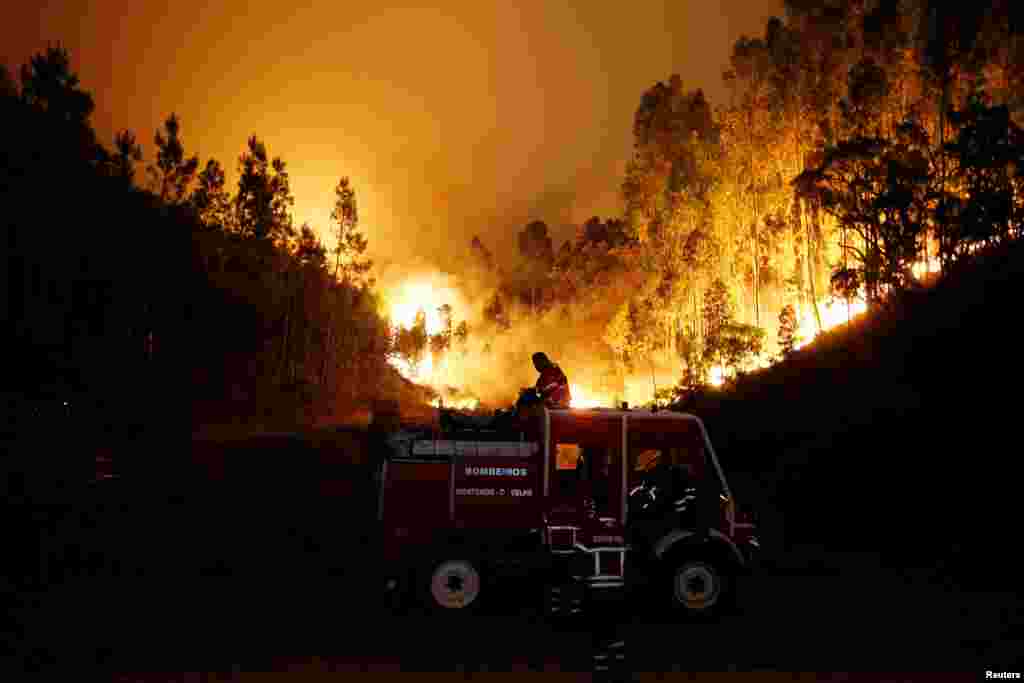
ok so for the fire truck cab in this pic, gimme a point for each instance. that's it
(596, 502)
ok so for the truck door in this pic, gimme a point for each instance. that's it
(497, 485)
(596, 439)
(674, 450)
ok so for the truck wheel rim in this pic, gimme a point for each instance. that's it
(696, 587)
(455, 584)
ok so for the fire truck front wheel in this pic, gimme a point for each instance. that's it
(452, 585)
(700, 587)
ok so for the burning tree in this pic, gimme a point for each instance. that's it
(496, 314)
(411, 343)
(787, 330)
(210, 200)
(727, 344)
(461, 337)
(441, 342)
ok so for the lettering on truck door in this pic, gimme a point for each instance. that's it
(496, 483)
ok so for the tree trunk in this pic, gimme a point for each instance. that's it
(754, 185)
(325, 356)
(284, 368)
(811, 269)
(943, 243)
(282, 360)
(757, 278)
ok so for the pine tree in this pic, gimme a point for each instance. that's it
(172, 173)
(350, 265)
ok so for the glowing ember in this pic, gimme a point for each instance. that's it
(457, 404)
(922, 268)
(717, 376)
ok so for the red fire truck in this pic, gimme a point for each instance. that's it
(597, 502)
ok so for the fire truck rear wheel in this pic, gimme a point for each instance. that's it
(452, 586)
(700, 588)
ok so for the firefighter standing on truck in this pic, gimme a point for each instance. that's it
(552, 385)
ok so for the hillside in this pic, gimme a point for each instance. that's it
(291, 410)
(892, 434)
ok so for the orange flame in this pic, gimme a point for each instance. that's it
(426, 294)
(584, 398)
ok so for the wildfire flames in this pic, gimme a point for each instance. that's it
(423, 297)
(458, 404)
(836, 312)
(582, 398)
(833, 312)
(413, 298)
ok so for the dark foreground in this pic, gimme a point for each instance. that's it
(119, 579)
(862, 619)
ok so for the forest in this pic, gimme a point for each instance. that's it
(866, 148)
(100, 300)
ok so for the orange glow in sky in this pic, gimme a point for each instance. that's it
(451, 121)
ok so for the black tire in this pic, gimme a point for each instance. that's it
(698, 587)
(452, 585)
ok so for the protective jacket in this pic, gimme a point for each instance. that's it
(553, 387)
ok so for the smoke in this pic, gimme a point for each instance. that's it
(495, 362)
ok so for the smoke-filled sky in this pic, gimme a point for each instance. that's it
(468, 118)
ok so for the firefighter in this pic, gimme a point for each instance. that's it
(552, 385)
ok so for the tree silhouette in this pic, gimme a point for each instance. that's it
(264, 199)
(988, 155)
(461, 337)
(309, 252)
(495, 313)
(127, 153)
(535, 248)
(8, 88)
(210, 200)
(350, 264)
(172, 173)
(49, 86)
(251, 317)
